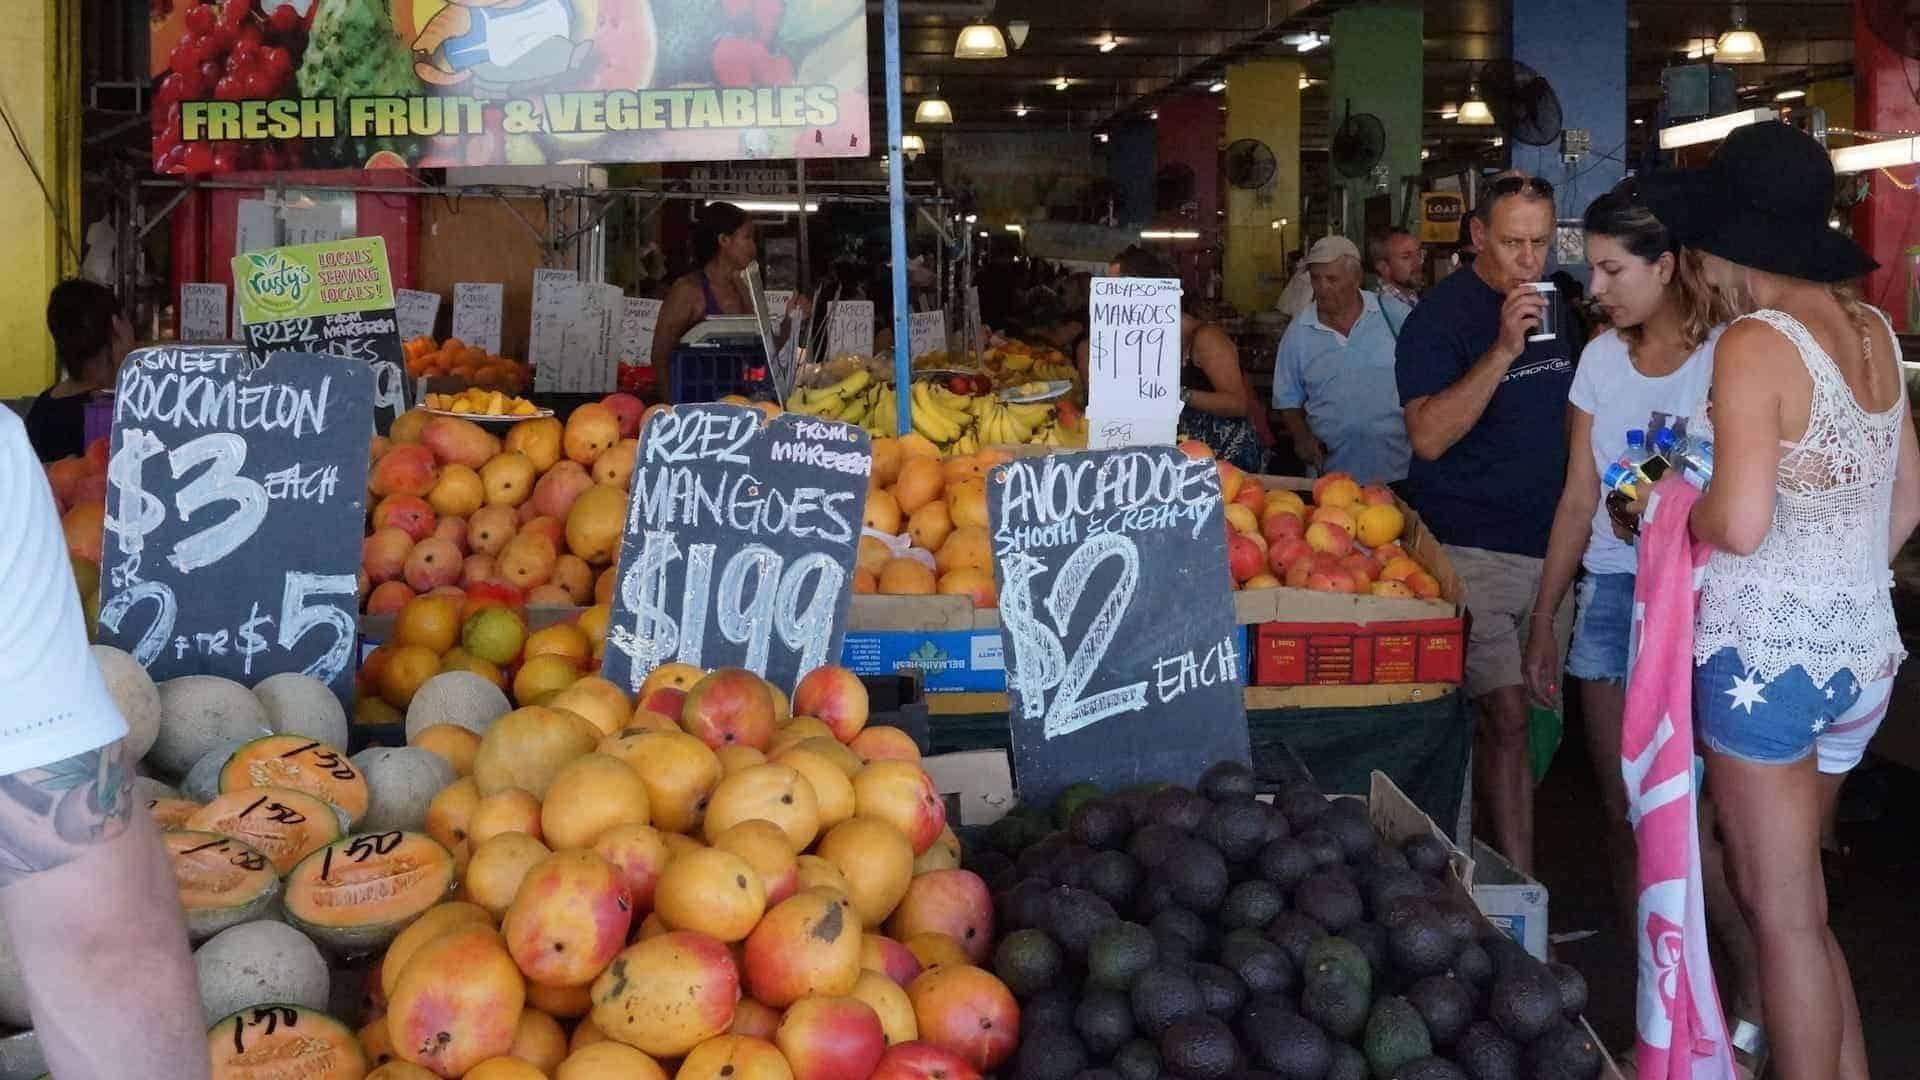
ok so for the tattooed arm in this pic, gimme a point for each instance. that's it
(93, 915)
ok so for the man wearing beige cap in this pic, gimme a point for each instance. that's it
(1333, 378)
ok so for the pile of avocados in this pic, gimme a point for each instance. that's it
(1167, 932)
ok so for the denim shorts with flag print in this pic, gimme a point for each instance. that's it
(1780, 722)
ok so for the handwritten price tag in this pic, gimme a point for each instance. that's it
(1133, 350)
(203, 311)
(416, 312)
(476, 314)
(850, 328)
(1123, 661)
(926, 333)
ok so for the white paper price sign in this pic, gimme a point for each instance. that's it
(926, 333)
(476, 314)
(555, 304)
(638, 318)
(849, 328)
(1133, 361)
(203, 311)
(417, 312)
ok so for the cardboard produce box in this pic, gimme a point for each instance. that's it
(1510, 900)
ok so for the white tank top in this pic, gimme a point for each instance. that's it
(1817, 593)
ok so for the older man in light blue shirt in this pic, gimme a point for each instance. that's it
(1333, 379)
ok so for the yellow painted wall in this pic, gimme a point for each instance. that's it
(1263, 102)
(39, 89)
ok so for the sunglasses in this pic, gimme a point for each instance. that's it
(1514, 185)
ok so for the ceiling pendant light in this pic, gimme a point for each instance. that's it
(980, 41)
(1061, 83)
(1020, 111)
(1474, 111)
(1017, 30)
(933, 110)
(912, 146)
(1740, 45)
(1109, 43)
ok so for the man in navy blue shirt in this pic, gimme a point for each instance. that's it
(1485, 407)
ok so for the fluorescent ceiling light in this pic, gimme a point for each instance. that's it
(933, 111)
(1740, 46)
(776, 207)
(1790, 95)
(1425, 153)
(1306, 42)
(1712, 129)
(1498, 142)
(1450, 112)
(1701, 48)
(1474, 112)
(1304, 81)
(1016, 228)
(1877, 155)
(1218, 85)
(1017, 30)
(981, 41)
(1169, 234)
(1109, 43)
(1639, 120)
(912, 145)
(1102, 136)
(1061, 83)
(971, 218)
(1154, 115)
(1020, 110)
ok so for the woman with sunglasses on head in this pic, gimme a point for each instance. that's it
(1652, 369)
(1816, 484)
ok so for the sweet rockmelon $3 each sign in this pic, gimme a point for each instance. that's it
(358, 892)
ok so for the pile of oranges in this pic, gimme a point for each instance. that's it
(426, 357)
(939, 507)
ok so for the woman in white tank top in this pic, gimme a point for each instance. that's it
(1816, 485)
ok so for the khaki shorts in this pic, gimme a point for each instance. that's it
(1500, 588)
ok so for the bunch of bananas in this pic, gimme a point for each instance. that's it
(841, 401)
(943, 416)
(1011, 425)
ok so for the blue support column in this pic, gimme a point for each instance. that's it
(897, 212)
(1582, 50)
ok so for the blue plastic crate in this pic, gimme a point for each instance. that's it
(707, 373)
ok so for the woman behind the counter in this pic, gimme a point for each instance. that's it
(723, 248)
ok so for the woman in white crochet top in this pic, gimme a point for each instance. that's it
(1815, 487)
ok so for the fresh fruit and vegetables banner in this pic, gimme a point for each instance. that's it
(739, 545)
(1116, 674)
(245, 85)
(235, 500)
(335, 298)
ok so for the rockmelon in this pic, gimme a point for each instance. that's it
(358, 892)
(456, 697)
(223, 882)
(202, 782)
(268, 1042)
(299, 704)
(280, 823)
(171, 813)
(295, 761)
(135, 694)
(197, 714)
(256, 963)
(401, 784)
(528, 746)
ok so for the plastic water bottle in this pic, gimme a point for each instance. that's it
(1696, 463)
(1623, 478)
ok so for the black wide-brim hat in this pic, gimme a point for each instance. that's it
(1763, 201)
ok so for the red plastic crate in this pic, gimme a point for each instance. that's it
(1358, 654)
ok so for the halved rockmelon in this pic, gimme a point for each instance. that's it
(359, 892)
(223, 882)
(169, 813)
(280, 823)
(268, 1042)
(295, 761)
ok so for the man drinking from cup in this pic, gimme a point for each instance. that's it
(1484, 365)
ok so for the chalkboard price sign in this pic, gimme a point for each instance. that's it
(740, 542)
(1116, 615)
(235, 501)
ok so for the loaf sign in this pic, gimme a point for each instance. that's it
(1116, 614)
(740, 542)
